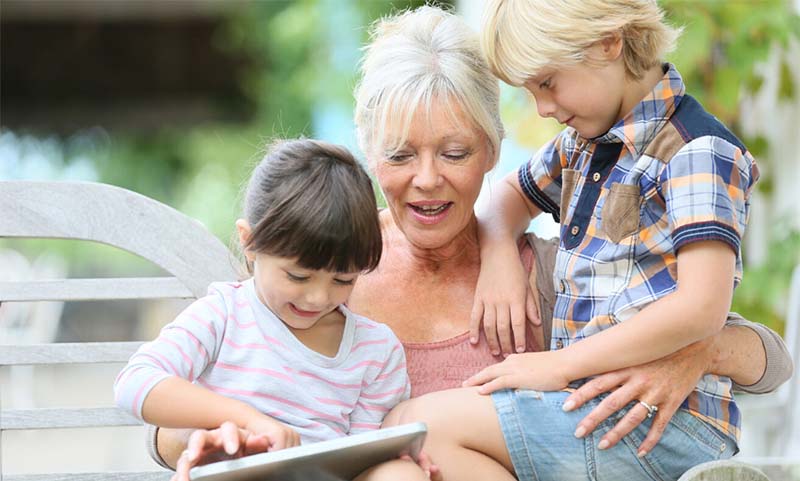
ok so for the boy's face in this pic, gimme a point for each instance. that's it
(587, 97)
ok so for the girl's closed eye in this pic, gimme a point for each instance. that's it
(344, 282)
(296, 277)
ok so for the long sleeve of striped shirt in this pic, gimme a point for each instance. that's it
(230, 343)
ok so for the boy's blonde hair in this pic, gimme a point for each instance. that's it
(521, 37)
(418, 57)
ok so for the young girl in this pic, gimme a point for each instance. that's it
(279, 354)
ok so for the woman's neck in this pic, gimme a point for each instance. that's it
(461, 252)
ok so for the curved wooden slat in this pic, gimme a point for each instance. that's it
(120, 218)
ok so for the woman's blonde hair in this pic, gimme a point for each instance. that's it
(521, 37)
(418, 57)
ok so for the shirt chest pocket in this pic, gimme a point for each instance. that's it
(621, 211)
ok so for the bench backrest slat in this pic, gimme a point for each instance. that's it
(176, 243)
(68, 353)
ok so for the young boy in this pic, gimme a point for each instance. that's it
(652, 194)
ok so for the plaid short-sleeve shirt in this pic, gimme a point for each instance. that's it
(666, 175)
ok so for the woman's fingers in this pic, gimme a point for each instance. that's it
(660, 422)
(608, 406)
(633, 418)
(591, 389)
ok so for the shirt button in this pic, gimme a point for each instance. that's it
(562, 286)
(559, 344)
(596, 176)
(722, 447)
(575, 229)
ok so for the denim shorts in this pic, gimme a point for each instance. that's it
(540, 440)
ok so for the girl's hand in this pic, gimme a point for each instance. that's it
(226, 442)
(542, 371)
(665, 383)
(425, 462)
(503, 301)
(280, 436)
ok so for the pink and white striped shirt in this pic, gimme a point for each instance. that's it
(231, 343)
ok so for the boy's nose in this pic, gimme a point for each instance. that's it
(545, 107)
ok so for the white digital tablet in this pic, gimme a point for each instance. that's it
(339, 459)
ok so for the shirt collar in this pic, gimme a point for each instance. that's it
(641, 124)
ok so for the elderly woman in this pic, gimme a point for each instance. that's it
(428, 122)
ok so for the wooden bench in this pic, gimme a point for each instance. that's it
(179, 245)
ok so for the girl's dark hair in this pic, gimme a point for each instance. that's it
(311, 200)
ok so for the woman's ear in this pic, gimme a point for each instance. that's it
(244, 232)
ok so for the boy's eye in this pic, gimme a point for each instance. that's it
(344, 282)
(545, 84)
(296, 277)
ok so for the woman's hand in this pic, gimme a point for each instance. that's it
(226, 442)
(664, 383)
(542, 371)
(503, 301)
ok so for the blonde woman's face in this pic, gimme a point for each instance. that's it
(432, 180)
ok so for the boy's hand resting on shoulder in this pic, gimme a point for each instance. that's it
(503, 303)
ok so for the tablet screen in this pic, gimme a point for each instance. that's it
(334, 460)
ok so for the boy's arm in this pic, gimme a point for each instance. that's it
(502, 301)
(696, 310)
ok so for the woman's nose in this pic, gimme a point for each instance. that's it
(427, 176)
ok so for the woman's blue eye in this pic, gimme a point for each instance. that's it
(456, 155)
(399, 157)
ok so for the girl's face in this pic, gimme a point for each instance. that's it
(431, 182)
(300, 297)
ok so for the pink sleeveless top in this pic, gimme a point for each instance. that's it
(445, 364)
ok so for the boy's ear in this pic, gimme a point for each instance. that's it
(244, 232)
(612, 46)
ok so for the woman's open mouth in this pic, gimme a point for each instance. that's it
(430, 212)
